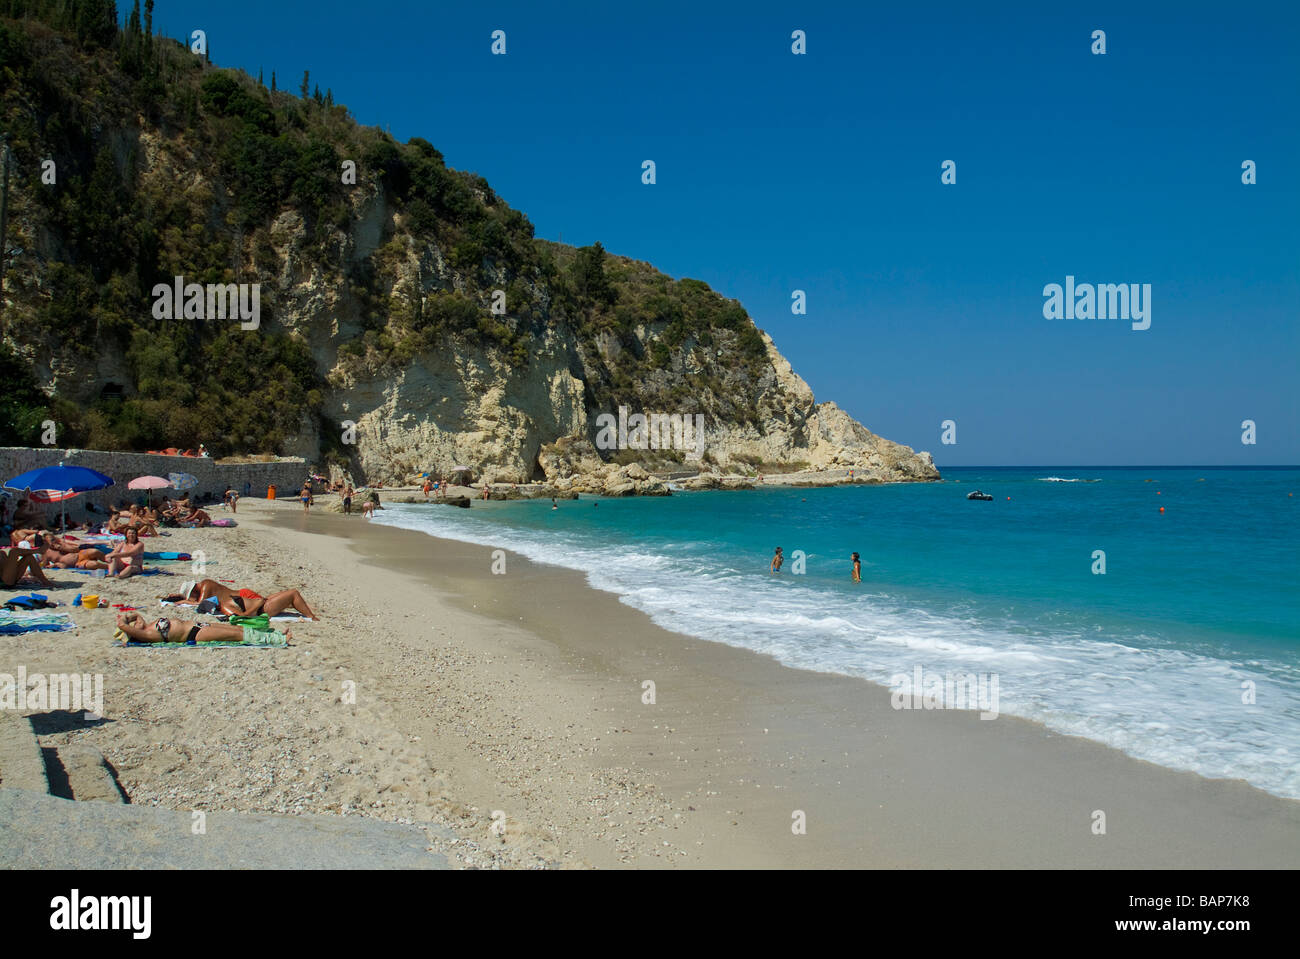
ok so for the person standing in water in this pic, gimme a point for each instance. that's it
(347, 499)
(305, 495)
(777, 560)
(857, 568)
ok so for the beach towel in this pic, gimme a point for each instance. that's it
(167, 556)
(224, 522)
(143, 572)
(208, 605)
(13, 623)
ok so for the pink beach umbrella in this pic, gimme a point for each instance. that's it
(150, 483)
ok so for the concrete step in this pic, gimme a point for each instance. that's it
(89, 777)
(21, 764)
(46, 832)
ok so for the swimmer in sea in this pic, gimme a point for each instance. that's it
(857, 568)
(777, 560)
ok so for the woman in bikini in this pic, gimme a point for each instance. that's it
(244, 602)
(127, 559)
(167, 630)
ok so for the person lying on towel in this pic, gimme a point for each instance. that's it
(165, 630)
(241, 602)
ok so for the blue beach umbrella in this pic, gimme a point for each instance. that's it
(60, 479)
(182, 481)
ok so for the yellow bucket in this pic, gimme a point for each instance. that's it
(90, 602)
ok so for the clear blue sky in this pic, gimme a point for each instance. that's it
(822, 173)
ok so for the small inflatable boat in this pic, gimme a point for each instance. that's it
(978, 495)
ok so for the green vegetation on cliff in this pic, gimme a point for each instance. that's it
(168, 166)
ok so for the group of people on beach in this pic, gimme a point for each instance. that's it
(346, 495)
(145, 520)
(51, 551)
(778, 559)
(210, 596)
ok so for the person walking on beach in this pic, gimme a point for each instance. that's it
(857, 568)
(347, 499)
(777, 560)
(305, 495)
(428, 485)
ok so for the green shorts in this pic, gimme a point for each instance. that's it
(264, 637)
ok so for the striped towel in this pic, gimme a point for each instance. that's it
(37, 621)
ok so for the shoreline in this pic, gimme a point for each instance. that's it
(521, 694)
(734, 733)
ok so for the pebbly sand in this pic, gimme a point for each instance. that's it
(521, 696)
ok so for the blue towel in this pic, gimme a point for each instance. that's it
(143, 572)
(12, 624)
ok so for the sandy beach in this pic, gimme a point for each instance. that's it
(509, 709)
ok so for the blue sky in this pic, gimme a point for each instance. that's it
(821, 172)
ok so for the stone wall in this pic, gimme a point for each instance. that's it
(287, 474)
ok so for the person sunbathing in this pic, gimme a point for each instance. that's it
(195, 518)
(23, 536)
(166, 630)
(60, 553)
(22, 564)
(133, 519)
(128, 558)
(243, 602)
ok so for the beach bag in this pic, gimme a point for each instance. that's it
(31, 601)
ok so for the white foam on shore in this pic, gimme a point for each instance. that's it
(1173, 707)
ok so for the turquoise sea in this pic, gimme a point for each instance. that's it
(1198, 608)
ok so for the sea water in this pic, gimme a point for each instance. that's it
(1183, 652)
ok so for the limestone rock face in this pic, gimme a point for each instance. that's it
(510, 425)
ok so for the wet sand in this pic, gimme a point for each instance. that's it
(555, 734)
